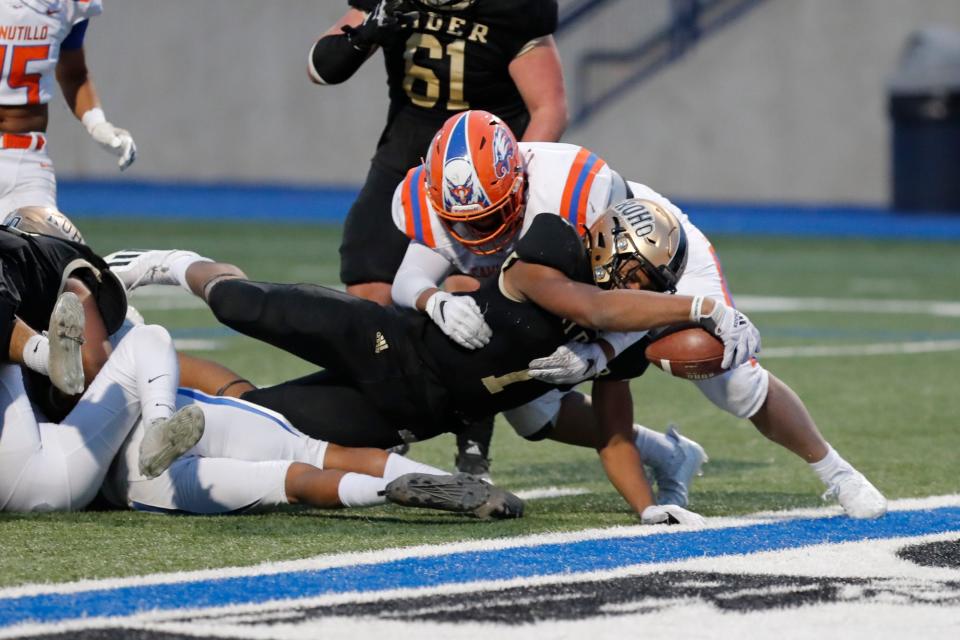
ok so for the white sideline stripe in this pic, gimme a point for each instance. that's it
(197, 344)
(881, 349)
(550, 492)
(950, 309)
(421, 551)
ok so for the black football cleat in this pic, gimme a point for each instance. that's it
(461, 493)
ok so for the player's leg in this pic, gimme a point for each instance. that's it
(27, 178)
(750, 391)
(372, 247)
(568, 417)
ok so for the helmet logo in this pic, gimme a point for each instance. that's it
(638, 217)
(459, 188)
(503, 152)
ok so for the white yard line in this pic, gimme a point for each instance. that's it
(881, 349)
(944, 308)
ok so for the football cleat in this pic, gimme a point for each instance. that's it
(858, 497)
(65, 335)
(461, 493)
(673, 479)
(166, 439)
(137, 268)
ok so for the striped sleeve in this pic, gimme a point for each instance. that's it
(576, 190)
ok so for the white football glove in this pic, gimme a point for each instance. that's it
(741, 340)
(117, 141)
(671, 514)
(570, 363)
(460, 318)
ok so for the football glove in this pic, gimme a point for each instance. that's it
(380, 26)
(671, 514)
(570, 363)
(117, 141)
(460, 318)
(741, 340)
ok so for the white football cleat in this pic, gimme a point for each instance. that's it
(166, 439)
(137, 268)
(858, 497)
(65, 335)
(673, 480)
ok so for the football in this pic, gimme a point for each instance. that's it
(688, 352)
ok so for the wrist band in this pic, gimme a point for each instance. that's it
(696, 307)
(92, 118)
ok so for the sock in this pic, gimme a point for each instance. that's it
(358, 490)
(157, 373)
(830, 467)
(398, 465)
(656, 449)
(36, 354)
(181, 262)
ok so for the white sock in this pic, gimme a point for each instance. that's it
(358, 490)
(398, 465)
(656, 449)
(157, 372)
(181, 262)
(36, 354)
(830, 467)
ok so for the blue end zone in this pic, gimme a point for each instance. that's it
(503, 564)
(330, 204)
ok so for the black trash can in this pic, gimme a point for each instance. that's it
(924, 102)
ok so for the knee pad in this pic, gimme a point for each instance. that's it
(535, 420)
(740, 392)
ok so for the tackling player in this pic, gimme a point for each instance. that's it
(479, 190)
(441, 56)
(388, 371)
(40, 40)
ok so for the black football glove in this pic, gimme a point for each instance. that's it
(388, 19)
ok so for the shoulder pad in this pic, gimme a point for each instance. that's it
(552, 242)
(415, 219)
(575, 201)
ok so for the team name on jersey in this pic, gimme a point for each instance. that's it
(452, 25)
(23, 32)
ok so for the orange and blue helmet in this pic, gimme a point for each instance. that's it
(476, 181)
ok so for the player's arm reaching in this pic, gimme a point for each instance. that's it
(539, 78)
(79, 91)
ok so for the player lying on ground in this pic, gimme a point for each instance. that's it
(273, 463)
(479, 191)
(391, 371)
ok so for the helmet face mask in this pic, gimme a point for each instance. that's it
(637, 242)
(476, 181)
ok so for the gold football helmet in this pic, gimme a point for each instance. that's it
(637, 240)
(44, 220)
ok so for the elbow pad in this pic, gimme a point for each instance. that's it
(333, 59)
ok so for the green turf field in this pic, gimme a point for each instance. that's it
(895, 416)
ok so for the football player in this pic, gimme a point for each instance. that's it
(52, 464)
(479, 191)
(390, 372)
(441, 57)
(40, 40)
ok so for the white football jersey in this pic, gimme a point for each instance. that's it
(562, 179)
(30, 35)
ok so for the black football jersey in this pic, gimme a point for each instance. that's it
(494, 378)
(33, 268)
(456, 60)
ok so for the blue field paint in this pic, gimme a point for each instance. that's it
(330, 203)
(505, 564)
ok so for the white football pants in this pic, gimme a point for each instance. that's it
(239, 465)
(59, 467)
(26, 180)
